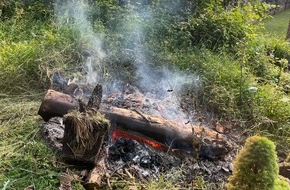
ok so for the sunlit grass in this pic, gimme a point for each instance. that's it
(278, 24)
(25, 159)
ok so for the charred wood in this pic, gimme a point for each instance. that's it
(94, 179)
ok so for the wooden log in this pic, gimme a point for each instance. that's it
(56, 104)
(83, 136)
(195, 139)
(94, 179)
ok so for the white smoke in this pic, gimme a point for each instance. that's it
(152, 77)
(161, 82)
(75, 14)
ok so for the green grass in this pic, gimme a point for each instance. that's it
(278, 24)
(25, 159)
(29, 51)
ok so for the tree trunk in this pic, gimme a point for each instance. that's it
(288, 32)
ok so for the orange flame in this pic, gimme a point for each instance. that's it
(154, 144)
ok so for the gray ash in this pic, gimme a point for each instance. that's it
(140, 158)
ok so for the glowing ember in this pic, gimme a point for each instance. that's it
(154, 144)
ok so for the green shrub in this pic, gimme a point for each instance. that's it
(218, 27)
(255, 167)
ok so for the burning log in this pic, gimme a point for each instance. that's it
(146, 128)
(195, 139)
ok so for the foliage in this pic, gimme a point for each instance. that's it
(255, 166)
(39, 9)
(218, 27)
(222, 85)
(29, 50)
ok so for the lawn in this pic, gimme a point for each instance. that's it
(277, 25)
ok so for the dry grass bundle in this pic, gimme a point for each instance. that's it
(84, 134)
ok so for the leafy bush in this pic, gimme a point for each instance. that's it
(255, 166)
(218, 27)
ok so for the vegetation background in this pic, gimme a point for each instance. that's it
(241, 59)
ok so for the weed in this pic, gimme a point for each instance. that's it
(29, 52)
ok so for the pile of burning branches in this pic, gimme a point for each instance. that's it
(126, 134)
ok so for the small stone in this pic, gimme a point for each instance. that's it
(145, 173)
(231, 167)
(196, 166)
(225, 169)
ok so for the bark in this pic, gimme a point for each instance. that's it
(197, 140)
(94, 179)
(56, 104)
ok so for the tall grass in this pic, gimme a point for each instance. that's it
(29, 49)
(25, 159)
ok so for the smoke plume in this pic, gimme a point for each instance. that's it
(158, 82)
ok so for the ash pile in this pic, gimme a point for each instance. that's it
(129, 159)
(124, 156)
